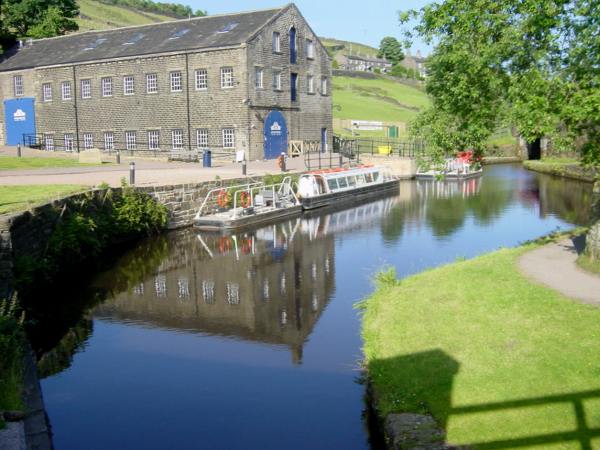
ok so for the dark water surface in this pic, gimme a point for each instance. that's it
(251, 341)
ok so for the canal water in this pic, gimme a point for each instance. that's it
(251, 340)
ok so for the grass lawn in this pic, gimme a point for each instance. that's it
(379, 99)
(15, 198)
(101, 16)
(586, 263)
(563, 167)
(500, 362)
(31, 162)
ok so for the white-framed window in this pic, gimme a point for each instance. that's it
(202, 137)
(128, 85)
(226, 77)
(88, 141)
(310, 84)
(201, 79)
(176, 83)
(228, 138)
(310, 49)
(276, 42)
(107, 87)
(323, 85)
(130, 140)
(177, 139)
(68, 142)
(151, 83)
(258, 77)
(208, 291)
(153, 139)
(47, 92)
(65, 88)
(277, 80)
(86, 88)
(49, 142)
(109, 140)
(233, 293)
(18, 88)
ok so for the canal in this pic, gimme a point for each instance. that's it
(252, 341)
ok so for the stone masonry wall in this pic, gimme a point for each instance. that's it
(27, 233)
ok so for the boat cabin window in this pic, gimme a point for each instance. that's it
(352, 181)
(320, 184)
(360, 179)
(369, 177)
(342, 182)
(332, 183)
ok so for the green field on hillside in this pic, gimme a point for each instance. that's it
(100, 16)
(348, 48)
(378, 99)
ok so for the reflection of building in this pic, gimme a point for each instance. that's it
(269, 285)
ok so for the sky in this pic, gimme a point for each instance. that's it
(350, 20)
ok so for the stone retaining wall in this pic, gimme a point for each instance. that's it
(26, 233)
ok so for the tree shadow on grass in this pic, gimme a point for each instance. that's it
(422, 383)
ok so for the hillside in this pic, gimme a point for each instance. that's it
(100, 16)
(335, 46)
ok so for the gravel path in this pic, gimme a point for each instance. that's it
(554, 266)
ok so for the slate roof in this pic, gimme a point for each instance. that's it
(368, 59)
(180, 35)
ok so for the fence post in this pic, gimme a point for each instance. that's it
(19, 150)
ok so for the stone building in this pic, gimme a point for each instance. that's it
(247, 81)
(363, 63)
(416, 62)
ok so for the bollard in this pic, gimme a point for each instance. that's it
(244, 167)
(132, 173)
(18, 150)
(118, 157)
(282, 164)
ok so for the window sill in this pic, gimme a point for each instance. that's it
(227, 87)
(152, 93)
(201, 89)
(177, 92)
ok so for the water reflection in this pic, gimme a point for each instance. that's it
(219, 313)
(268, 285)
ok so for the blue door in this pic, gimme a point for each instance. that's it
(275, 135)
(19, 116)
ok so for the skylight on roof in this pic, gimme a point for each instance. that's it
(180, 33)
(95, 44)
(134, 39)
(227, 28)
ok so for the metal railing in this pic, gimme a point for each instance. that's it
(210, 202)
(353, 147)
(279, 192)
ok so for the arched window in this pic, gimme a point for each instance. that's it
(293, 49)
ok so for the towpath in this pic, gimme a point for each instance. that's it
(554, 266)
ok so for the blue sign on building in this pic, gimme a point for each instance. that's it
(275, 135)
(19, 116)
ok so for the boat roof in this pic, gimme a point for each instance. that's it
(344, 171)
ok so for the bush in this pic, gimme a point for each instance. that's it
(11, 360)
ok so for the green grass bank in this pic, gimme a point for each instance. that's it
(12, 342)
(32, 162)
(563, 167)
(499, 361)
(17, 198)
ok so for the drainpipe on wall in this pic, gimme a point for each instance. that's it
(76, 110)
(187, 98)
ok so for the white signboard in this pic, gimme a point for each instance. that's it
(275, 129)
(19, 115)
(367, 125)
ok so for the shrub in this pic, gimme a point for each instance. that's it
(11, 351)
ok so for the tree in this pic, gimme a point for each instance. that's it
(390, 49)
(529, 63)
(21, 15)
(53, 24)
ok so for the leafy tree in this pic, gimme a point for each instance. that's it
(530, 63)
(390, 49)
(19, 16)
(53, 24)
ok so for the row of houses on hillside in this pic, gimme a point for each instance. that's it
(369, 64)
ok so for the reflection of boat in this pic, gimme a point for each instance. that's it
(325, 187)
(432, 188)
(459, 168)
(245, 205)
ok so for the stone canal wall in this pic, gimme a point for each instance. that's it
(26, 233)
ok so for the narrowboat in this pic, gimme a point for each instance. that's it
(463, 167)
(244, 205)
(325, 187)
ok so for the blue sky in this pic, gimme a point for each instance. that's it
(352, 20)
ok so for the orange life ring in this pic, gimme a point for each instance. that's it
(245, 199)
(222, 198)
(224, 244)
